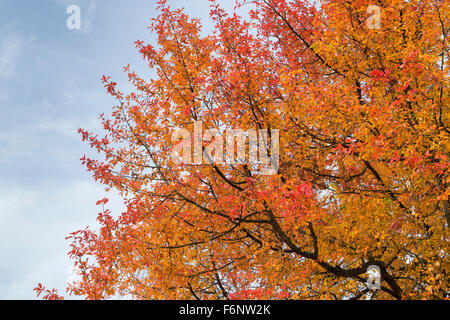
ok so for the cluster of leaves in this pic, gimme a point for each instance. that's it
(364, 158)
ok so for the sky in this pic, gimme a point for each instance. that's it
(49, 87)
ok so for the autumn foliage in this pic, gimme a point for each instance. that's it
(363, 116)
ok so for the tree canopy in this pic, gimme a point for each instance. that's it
(363, 172)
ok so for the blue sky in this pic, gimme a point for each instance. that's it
(49, 87)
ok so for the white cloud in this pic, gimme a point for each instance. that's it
(33, 225)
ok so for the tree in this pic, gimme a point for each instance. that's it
(363, 175)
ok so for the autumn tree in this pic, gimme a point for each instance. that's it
(363, 179)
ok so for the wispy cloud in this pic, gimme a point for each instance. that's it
(86, 19)
(12, 46)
